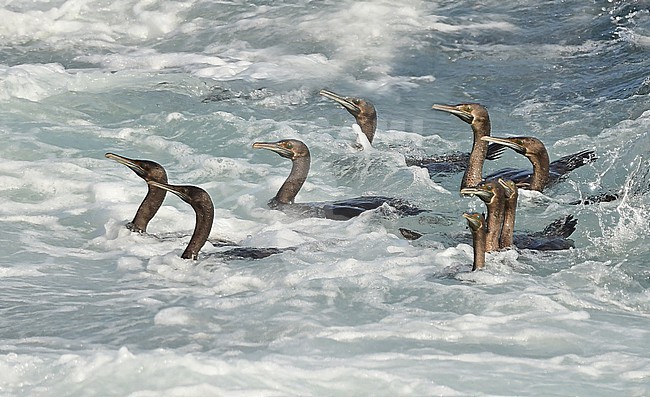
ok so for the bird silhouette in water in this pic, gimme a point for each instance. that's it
(149, 171)
(554, 237)
(284, 200)
(476, 115)
(544, 173)
(203, 207)
(201, 203)
(478, 228)
(363, 111)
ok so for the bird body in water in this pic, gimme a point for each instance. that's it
(284, 200)
(554, 237)
(365, 114)
(493, 195)
(149, 171)
(363, 111)
(156, 177)
(477, 226)
(511, 194)
(201, 203)
(543, 173)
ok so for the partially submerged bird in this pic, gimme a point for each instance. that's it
(363, 111)
(493, 195)
(284, 200)
(553, 237)
(511, 194)
(543, 173)
(149, 171)
(202, 205)
(477, 226)
(476, 115)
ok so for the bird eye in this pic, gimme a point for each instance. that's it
(289, 145)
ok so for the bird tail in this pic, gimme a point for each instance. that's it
(561, 227)
(572, 161)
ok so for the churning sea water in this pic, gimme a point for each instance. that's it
(88, 308)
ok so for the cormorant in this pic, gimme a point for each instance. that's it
(202, 205)
(365, 115)
(149, 171)
(543, 173)
(493, 195)
(511, 194)
(476, 223)
(298, 153)
(363, 111)
(476, 115)
(553, 237)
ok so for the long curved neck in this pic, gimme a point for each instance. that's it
(494, 225)
(148, 209)
(368, 126)
(204, 217)
(540, 177)
(290, 188)
(508, 228)
(474, 171)
(478, 240)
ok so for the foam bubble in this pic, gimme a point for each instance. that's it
(33, 82)
(173, 316)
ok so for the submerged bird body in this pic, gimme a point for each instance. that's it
(363, 111)
(149, 171)
(544, 173)
(553, 237)
(493, 195)
(451, 163)
(202, 205)
(284, 200)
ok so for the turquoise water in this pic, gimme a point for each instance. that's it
(90, 308)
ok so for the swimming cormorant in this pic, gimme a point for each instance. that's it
(553, 237)
(365, 115)
(298, 153)
(493, 195)
(476, 223)
(543, 173)
(149, 171)
(202, 205)
(511, 194)
(363, 111)
(476, 115)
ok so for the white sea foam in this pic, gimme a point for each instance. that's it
(33, 82)
(90, 20)
(90, 307)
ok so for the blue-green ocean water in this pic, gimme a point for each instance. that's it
(88, 308)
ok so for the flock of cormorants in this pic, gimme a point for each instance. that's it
(499, 191)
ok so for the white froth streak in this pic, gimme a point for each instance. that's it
(90, 21)
(427, 372)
